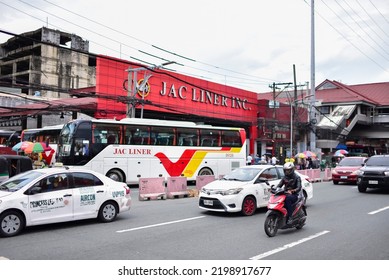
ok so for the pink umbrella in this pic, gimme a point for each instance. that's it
(35, 147)
(310, 154)
(340, 153)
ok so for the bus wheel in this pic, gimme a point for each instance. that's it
(205, 171)
(115, 175)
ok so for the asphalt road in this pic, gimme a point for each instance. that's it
(342, 225)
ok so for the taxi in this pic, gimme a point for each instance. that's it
(54, 195)
(245, 189)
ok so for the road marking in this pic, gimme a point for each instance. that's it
(287, 246)
(379, 210)
(161, 224)
(3, 258)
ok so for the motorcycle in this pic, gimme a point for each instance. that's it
(276, 214)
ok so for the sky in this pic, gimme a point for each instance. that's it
(248, 44)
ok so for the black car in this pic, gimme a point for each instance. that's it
(11, 165)
(375, 173)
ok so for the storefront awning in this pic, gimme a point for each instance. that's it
(48, 106)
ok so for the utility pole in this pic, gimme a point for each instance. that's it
(274, 87)
(133, 87)
(313, 120)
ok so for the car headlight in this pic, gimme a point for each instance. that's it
(334, 172)
(231, 191)
(359, 172)
(386, 173)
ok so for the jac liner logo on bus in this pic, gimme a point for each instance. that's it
(187, 164)
(189, 161)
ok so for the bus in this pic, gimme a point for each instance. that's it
(131, 148)
(45, 134)
(8, 139)
(48, 135)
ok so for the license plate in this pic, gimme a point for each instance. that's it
(373, 182)
(208, 202)
(343, 177)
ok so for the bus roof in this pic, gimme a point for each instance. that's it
(154, 122)
(50, 127)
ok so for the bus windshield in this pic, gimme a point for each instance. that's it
(47, 134)
(66, 136)
(129, 149)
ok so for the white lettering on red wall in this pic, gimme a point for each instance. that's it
(203, 96)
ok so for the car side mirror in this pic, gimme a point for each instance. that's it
(34, 190)
(263, 180)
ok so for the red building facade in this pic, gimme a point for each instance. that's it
(167, 92)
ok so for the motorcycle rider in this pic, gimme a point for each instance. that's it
(292, 183)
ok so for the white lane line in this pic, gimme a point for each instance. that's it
(161, 224)
(3, 258)
(379, 210)
(287, 246)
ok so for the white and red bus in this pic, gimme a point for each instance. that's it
(133, 148)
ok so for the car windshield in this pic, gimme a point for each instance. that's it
(243, 174)
(19, 181)
(378, 161)
(351, 162)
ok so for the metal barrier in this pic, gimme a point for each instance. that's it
(152, 188)
(177, 187)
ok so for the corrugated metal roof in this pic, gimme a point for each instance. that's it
(376, 94)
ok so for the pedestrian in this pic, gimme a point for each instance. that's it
(256, 159)
(274, 160)
(249, 159)
(310, 163)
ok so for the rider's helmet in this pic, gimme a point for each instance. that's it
(289, 168)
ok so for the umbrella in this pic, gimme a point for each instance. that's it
(301, 155)
(340, 153)
(21, 146)
(309, 154)
(36, 147)
(17, 147)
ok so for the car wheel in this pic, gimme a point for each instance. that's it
(108, 212)
(335, 182)
(11, 223)
(249, 206)
(362, 189)
(205, 171)
(271, 225)
(115, 175)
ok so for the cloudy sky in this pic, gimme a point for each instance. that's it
(248, 44)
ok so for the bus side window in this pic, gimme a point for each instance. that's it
(111, 139)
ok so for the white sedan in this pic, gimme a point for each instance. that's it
(53, 195)
(245, 189)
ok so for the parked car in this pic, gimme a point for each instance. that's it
(375, 173)
(245, 189)
(52, 195)
(11, 165)
(347, 170)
